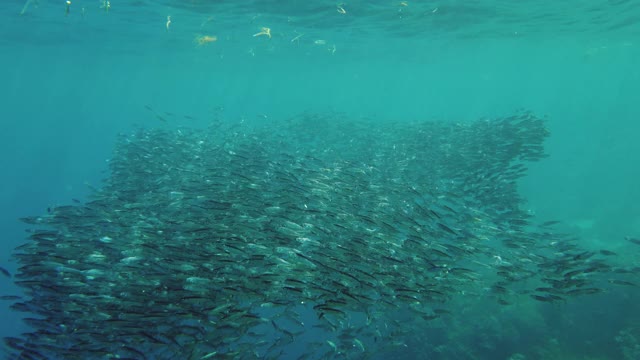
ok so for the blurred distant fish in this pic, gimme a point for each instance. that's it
(546, 298)
(622, 282)
(633, 240)
(607, 252)
(158, 116)
(5, 272)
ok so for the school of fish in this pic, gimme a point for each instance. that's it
(245, 241)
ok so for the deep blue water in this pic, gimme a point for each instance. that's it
(71, 83)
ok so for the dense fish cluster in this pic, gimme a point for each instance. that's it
(314, 237)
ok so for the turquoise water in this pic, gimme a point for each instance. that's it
(73, 81)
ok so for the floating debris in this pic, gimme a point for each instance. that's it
(264, 31)
(201, 40)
